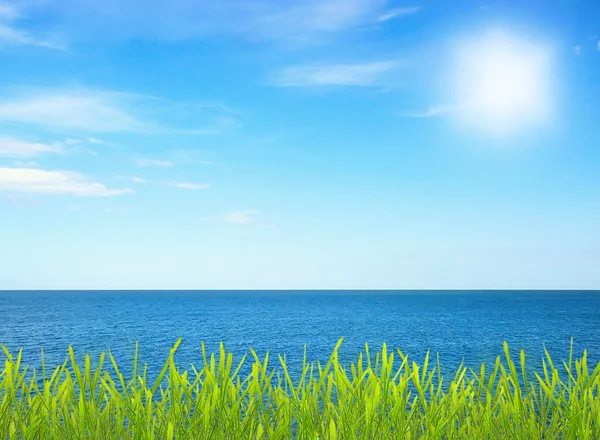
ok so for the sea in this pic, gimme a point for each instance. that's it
(456, 327)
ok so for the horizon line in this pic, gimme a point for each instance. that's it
(310, 290)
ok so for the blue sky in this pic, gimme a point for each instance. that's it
(319, 144)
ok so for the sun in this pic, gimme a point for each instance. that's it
(501, 83)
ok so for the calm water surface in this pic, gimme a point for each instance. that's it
(457, 325)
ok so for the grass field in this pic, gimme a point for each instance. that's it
(368, 400)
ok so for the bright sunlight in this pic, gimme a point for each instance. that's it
(501, 83)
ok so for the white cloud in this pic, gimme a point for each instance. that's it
(598, 46)
(398, 12)
(187, 185)
(84, 145)
(275, 20)
(69, 141)
(77, 108)
(577, 49)
(31, 180)
(301, 19)
(366, 74)
(134, 179)
(96, 141)
(241, 217)
(24, 149)
(18, 148)
(429, 113)
(153, 163)
(84, 109)
(172, 184)
(12, 36)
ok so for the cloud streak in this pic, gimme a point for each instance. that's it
(20, 149)
(37, 181)
(316, 75)
(10, 35)
(431, 112)
(89, 110)
(79, 109)
(188, 185)
(286, 22)
(153, 163)
(398, 13)
(138, 180)
(172, 184)
(273, 20)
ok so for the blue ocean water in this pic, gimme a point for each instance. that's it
(457, 325)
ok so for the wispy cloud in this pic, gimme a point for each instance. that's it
(274, 20)
(429, 113)
(598, 46)
(17, 148)
(37, 181)
(577, 49)
(69, 141)
(84, 145)
(134, 179)
(357, 74)
(172, 183)
(398, 13)
(241, 217)
(137, 179)
(78, 108)
(305, 21)
(153, 163)
(83, 109)
(187, 185)
(90, 140)
(11, 35)
(20, 149)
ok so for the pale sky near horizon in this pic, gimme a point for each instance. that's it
(317, 144)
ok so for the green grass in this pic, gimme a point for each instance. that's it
(367, 401)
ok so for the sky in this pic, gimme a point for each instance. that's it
(323, 144)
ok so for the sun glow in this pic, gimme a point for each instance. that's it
(501, 84)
